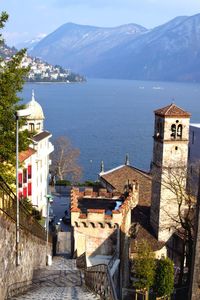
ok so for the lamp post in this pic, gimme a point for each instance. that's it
(49, 199)
(18, 114)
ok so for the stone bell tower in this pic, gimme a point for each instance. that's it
(170, 154)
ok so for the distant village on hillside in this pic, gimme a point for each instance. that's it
(41, 71)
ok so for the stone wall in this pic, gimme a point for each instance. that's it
(32, 255)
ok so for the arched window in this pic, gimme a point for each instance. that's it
(179, 131)
(31, 127)
(173, 130)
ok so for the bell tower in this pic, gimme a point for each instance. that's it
(170, 154)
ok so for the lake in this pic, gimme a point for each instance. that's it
(106, 119)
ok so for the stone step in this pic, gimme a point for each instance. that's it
(60, 281)
(57, 293)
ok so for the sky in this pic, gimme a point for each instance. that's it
(31, 18)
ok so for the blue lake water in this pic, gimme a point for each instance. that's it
(106, 119)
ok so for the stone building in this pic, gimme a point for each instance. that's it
(152, 218)
(101, 221)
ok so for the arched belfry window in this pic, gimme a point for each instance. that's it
(173, 131)
(179, 131)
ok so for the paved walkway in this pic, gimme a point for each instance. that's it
(61, 281)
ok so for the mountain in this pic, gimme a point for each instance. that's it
(168, 52)
(29, 44)
(80, 46)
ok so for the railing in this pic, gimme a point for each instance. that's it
(99, 280)
(8, 206)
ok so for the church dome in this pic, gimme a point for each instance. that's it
(35, 109)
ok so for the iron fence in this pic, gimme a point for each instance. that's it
(8, 206)
(99, 280)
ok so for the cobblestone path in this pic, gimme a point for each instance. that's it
(61, 281)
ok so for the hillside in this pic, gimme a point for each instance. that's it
(168, 52)
(40, 70)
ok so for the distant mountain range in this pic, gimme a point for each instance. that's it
(168, 52)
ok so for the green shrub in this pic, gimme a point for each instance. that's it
(63, 182)
(164, 279)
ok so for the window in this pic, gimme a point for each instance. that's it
(29, 171)
(176, 131)
(173, 130)
(31, 127)
(20, 179)
(25, 192)
(179, 131)
(29, 189)
(24, 175)
(159, 128)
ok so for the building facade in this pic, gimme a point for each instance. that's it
(34, 170)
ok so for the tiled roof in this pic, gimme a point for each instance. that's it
(172, 110)
(40, 136)
(23, 155)
(140, 215)
(119, 177)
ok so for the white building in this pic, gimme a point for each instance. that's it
(194, 145)
(34, 173)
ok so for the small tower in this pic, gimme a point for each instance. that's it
(170, 154)
(127, 163)
(36, 119)
(102, 167)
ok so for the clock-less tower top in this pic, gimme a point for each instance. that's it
(170, 152)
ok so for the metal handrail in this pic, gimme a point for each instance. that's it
(8, 206)
(99, 280)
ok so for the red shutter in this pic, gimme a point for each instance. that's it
(25, 192)
(20, 195)
(29, 172)
(29, 189)
(20, 179)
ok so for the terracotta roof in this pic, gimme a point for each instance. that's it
(172, 110)
(40, 136)
(140, 216)
(120, 176)
(23, 155)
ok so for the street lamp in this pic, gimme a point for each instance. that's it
(18, 114)
(49, 200)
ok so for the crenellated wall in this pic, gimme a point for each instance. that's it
(96, 231)
(32, 255)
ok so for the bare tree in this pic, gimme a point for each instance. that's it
(64, 160)
(179, 184)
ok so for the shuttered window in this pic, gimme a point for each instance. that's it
(29, 189)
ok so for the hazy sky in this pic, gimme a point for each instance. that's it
(29, 18)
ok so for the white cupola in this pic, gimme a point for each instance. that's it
(36, 118)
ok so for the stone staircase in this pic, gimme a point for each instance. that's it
(60, 281)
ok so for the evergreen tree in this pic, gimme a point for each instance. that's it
(143, 267)
(164, 279)
(11, 83)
